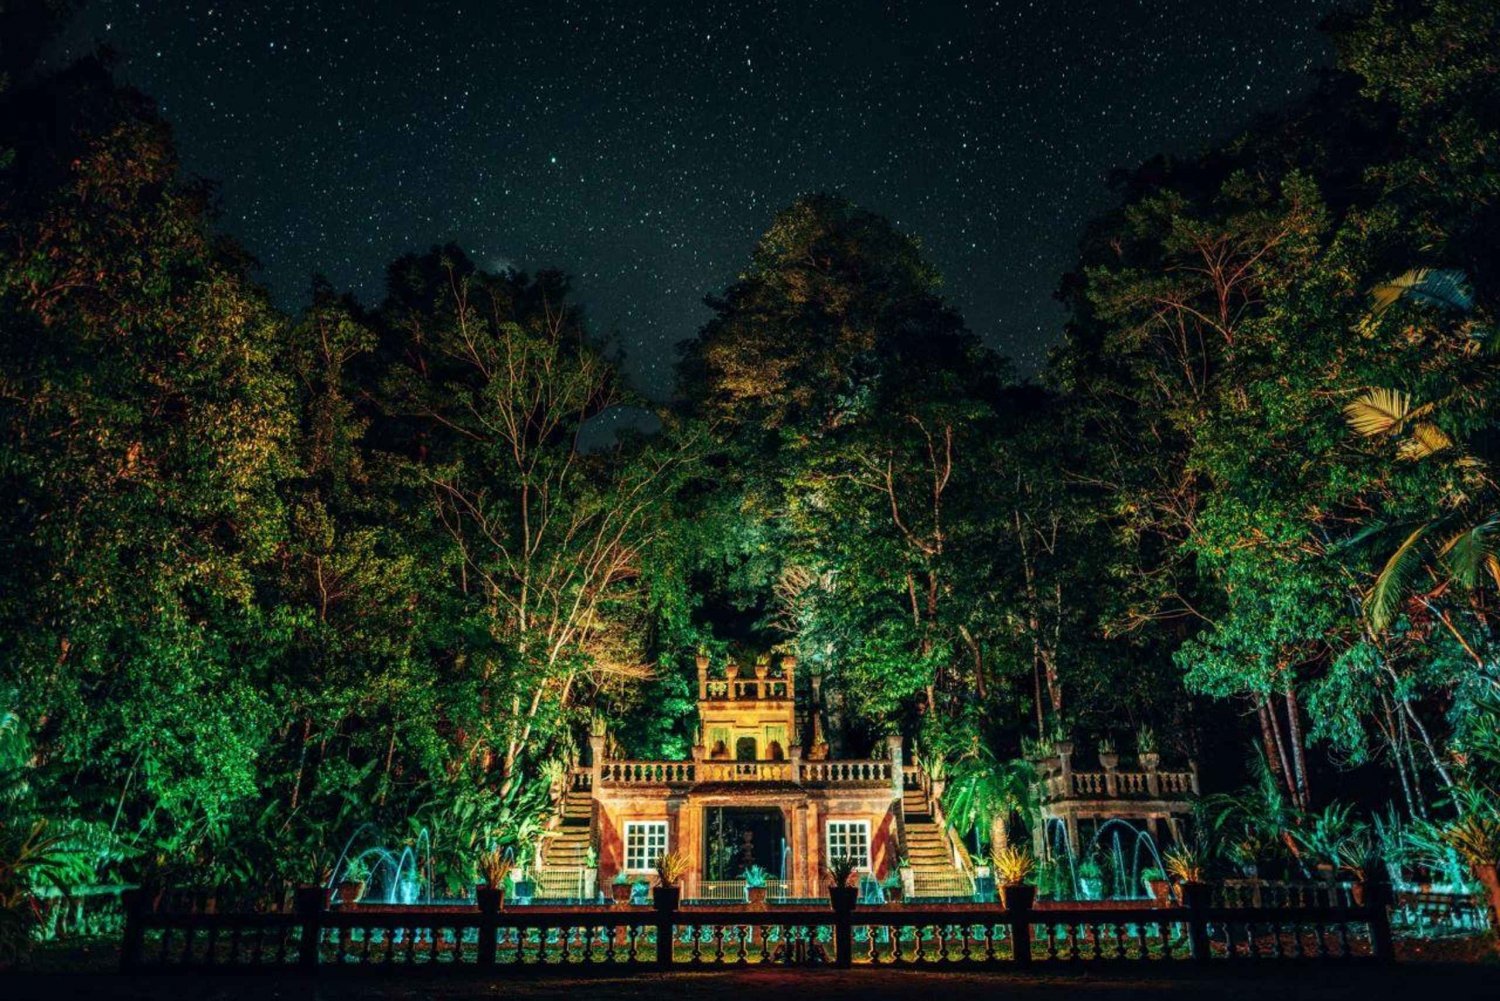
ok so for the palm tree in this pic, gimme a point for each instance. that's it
(1460, 546)
(983, 793)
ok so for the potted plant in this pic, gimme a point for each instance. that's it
(893, 888)
(842, 893)
(908, 878)
(1157, 887)
(494, 869)
(1014, 865)
(670, 868)
(1475, 836)
(755, 886)
(1109, 758)
(1090, 879)
(621, 889)
(1146, 751)
(1185, 866)
(1358, 860)
(591, 874)
(351, 888)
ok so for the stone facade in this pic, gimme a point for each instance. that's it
(790, 813)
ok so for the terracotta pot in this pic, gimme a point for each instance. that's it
(1161, 891)
(756, 895)
(1018, 896)
(621, 892)
(1197, 894)
(350, 891)
(843, 898)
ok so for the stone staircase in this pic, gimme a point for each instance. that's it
(929, 851)
(567, 846)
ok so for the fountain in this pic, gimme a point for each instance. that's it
(1086, 870)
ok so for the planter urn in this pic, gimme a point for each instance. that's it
(756, 895)
(1018, 896)
(620, 893)
(1109, 760)
(350, 891)
(666, 898)
(843, 898)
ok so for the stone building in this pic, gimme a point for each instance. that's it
(759, 790)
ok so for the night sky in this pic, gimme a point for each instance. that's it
(644, 146)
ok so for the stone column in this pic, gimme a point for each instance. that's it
(596, 762)
(898, 790)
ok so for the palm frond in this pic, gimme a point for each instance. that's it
(1379, 410)
(1444, 287)
(1394, 580)
(1471, 551)
(1426, 439)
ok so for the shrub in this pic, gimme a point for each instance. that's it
(1013, 864)
(671, 867)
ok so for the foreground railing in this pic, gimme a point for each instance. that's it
(951, 935)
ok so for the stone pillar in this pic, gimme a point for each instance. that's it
(893, 752)
(596, 762)
(813, 837)
(898, 789)
(1065, 765)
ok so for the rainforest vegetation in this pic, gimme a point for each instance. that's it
(267, 576)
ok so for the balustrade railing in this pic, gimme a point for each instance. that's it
(1060, 786)
(635, 773)
(915, 935)
(648, 773)
(733, 891)
(847, 772)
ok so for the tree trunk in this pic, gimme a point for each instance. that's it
(1299, 760)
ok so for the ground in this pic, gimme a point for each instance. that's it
(1447, 969)
(1311, 982)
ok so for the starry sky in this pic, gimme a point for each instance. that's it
(644, 146)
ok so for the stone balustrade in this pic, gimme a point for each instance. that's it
(857, 772)
(1116, 784)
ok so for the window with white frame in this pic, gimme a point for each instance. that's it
(645, 842)
(850, 838)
